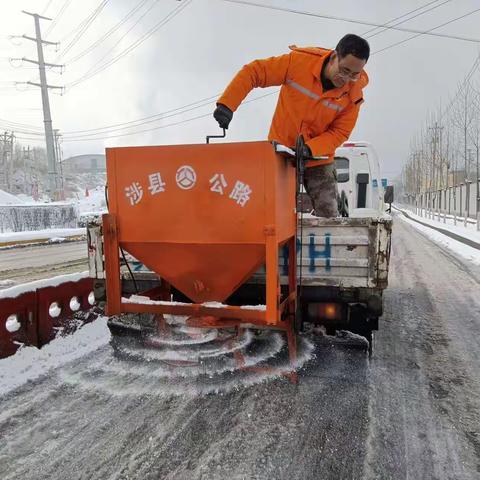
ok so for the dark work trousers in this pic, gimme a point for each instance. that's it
(321, 186)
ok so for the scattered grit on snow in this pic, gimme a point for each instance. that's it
(17, 290)
(30, 363)
(153, 374)
(459, 248)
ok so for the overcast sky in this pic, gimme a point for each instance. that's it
(196, 53)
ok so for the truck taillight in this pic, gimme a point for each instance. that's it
(326, 311)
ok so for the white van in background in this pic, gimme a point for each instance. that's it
(360, 186)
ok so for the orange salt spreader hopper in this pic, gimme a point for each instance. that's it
(204, 218)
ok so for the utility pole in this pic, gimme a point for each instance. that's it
(47, 119)
(59, 165)
(3, 165)
(6, 167)
(465, 128)
(26, 168)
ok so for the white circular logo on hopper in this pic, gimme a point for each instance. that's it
(186, 177)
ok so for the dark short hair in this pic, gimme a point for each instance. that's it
(353, 45)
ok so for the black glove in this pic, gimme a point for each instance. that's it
(223, 115)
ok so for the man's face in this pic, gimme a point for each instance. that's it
(346, 69)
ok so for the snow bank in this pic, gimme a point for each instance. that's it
(470, 231)
(94, 203)
(46, 234)
(469, 253)
(17, 290)
(9, 199)
(30, 363)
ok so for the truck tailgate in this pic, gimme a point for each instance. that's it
(345, 252)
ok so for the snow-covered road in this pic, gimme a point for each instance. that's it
(410, 412)
(24, 264)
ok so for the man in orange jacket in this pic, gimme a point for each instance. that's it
(320, 98)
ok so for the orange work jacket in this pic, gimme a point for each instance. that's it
(325, 119)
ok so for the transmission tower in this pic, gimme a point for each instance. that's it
(53, 181)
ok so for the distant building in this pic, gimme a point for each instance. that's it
(93, 163)
(458, 176)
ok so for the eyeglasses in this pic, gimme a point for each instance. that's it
(347, 74)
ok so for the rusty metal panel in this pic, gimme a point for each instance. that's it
(383, 252)
(63, 295)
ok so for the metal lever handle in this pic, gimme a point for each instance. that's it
(321, 157)
(216, 136)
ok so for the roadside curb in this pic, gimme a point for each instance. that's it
(448, 233)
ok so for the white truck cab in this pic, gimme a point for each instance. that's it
(360, 186)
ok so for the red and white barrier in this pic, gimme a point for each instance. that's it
(31, 313)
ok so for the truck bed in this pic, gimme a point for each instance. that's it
(341, 252)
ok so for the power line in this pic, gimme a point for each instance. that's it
(410, 18)
(58, 17)
(83, 28)
(15, 125)
(47, 6)
(427, 32)
(351, 20)
(108, 33)
(134, 45)
(401, 16)
(30, 129)
(112, 130)
(107, 53)
(150, 118)
(160, 116)
(164, 126)
(465, 82)
(201, 103)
